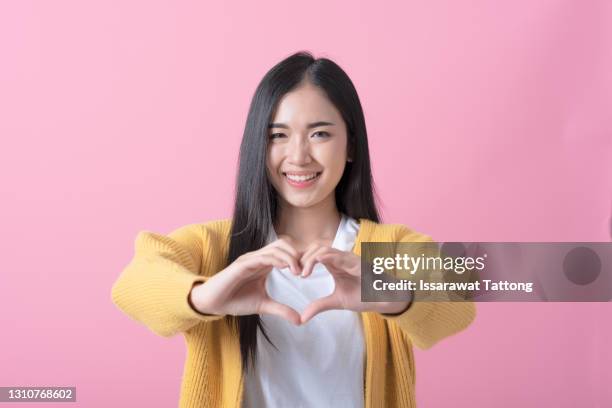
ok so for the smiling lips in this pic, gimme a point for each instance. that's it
(301, 179)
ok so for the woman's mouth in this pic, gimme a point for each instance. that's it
(302, 180)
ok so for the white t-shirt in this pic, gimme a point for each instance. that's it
(318, 364)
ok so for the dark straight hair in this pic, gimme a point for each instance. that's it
(256, 200)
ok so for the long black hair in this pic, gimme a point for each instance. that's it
(256, 200)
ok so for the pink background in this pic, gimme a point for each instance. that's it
(487, 121)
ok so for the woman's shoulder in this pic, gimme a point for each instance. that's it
(216, 229)
(392, 232)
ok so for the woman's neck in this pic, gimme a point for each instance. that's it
(306, 225)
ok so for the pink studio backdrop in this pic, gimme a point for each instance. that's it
(487, 121)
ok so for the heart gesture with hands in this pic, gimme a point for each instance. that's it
(345, 268)
(240, 288)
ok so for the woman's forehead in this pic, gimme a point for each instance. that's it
(303, 106)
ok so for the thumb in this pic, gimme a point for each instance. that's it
(320, 305)
(269, 306)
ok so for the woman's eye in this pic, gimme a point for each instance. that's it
(276, 135)
(321, 133)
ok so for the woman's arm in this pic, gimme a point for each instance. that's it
(154, 288)
(425, 322)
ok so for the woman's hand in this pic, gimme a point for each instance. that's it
(345, 267)
(240, 289)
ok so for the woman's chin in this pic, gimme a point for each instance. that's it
(302, 204)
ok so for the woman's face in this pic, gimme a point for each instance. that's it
(307, 148)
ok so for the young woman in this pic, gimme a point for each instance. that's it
(269, 301)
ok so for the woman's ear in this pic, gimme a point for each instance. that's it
(349, 151)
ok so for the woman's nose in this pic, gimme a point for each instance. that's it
(299, 151)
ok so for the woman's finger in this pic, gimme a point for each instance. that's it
(341, 262)
(287, 257)
(314, 257)
(309, 260)
(263, 263)
(288, 244)
(309, 250)
(320, 305)
(271, 307)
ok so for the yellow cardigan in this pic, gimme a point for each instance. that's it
(153, 289)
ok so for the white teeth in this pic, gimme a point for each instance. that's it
(301, 178)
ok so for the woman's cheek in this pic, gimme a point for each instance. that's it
(339, 162)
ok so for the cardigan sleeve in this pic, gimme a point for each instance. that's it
(428, 322)
(154, 287)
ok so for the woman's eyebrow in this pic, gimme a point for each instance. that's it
(310, 125)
